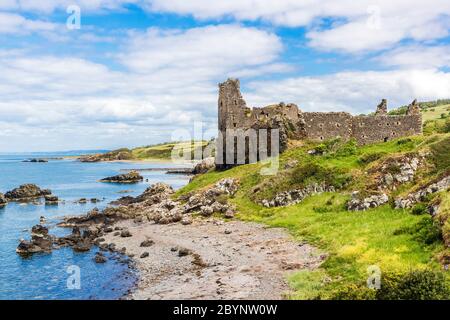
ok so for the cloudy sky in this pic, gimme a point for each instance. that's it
(136, 70)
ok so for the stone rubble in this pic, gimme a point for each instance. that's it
(413, 198)
(361, 204)
(404, 171)
(295, 196)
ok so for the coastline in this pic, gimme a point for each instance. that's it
(212, 259)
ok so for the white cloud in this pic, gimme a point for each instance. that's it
(169, 81)
(417, 56)
(16, 24)
(356, 92)
(210, 50)
(49, 6)
(364, 24)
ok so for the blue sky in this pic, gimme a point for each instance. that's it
(139, 72)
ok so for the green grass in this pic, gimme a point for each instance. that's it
(434, 113)
(164, 151)
(394, 240)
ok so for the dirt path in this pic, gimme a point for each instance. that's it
(226, 260)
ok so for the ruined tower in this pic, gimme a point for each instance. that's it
(291, 123)
(381, 108)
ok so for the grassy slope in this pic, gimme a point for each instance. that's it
(162, 151)
(391, 239)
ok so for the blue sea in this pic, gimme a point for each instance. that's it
(50, 276)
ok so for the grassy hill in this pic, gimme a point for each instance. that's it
(162, 151)
(406, 244)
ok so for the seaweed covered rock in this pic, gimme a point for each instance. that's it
(3, 200)
(26, 191)
(40, 241)
(130, 177)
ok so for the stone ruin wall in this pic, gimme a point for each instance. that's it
(295, 124)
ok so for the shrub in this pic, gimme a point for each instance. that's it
(427, 231)
(419, 209)
(441, 154)
(354, 292)
(347, 149)
(370, 157)
(414, 285)
(312, 172)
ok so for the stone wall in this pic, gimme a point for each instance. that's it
(371, 129)
(294, 124)
(327, 125)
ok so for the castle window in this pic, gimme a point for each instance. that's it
(379, 124)
(388, 124)
(235, 102)
(338, 125)
(399, 123)
(234, 124)
(321, 138)
(361, 124)
(221, 103)
(320, 125)
(393, 133)
(386, 139)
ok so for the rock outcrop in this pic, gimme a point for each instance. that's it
(51, 199)
(358, 203)
(26, 191)
(3, 200)
(420, 195)
(396, 171)
(36, 160)
(204, 166)
(130, 177)
(41, 242)
(295, 196)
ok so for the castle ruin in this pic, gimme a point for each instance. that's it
(292, 123)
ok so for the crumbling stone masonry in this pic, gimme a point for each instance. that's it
(291, 123)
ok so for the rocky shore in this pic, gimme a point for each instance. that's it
(180, 250)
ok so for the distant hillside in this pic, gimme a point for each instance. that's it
(162, 151)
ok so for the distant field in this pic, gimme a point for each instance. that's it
(434, 113)
(164, 151)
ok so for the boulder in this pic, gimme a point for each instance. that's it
(40, 241)
(130, 177)
(100, 258)
(147, 243)
(51, 199)
(204, 166)
(26, 191)
(125, 233)
(3, 200)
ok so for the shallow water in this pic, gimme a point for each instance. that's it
(46, 276)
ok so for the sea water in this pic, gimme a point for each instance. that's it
(64, 274)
